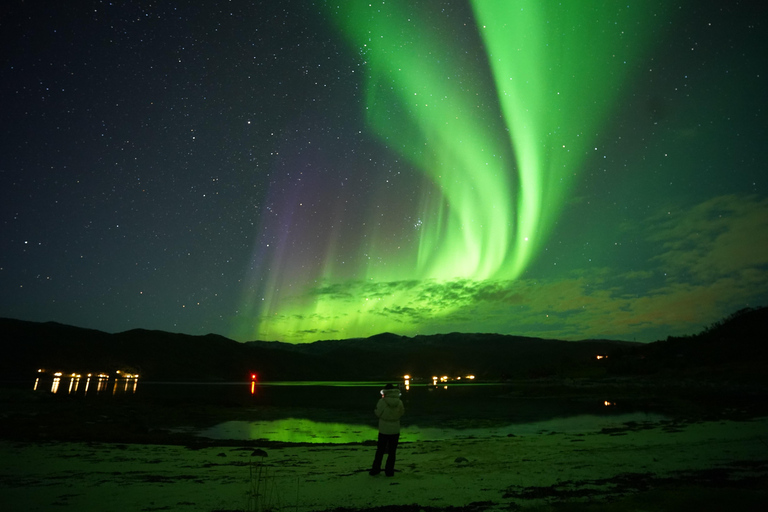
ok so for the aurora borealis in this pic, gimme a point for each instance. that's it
(304, 172)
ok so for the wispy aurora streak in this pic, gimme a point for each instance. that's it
(558, 69)
(500, 139)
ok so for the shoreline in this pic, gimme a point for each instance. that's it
(119, 454)
(29, 415)
(523, 472)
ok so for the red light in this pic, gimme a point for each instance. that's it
(253, 376)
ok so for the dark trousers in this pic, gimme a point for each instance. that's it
(387, 443)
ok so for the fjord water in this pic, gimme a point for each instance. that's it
(342, 412)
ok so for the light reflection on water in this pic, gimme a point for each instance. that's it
(342, 412)
(76, 384)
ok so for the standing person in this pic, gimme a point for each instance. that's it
(388, 410)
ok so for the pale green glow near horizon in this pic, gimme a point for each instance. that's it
(495, 181)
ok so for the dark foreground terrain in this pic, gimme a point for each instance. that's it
(126, 453)
(71, 454)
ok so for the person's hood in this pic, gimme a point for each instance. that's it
(391, 396)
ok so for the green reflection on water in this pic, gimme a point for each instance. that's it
(293, 430)
(296, 430)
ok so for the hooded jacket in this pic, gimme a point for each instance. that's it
(388, 410)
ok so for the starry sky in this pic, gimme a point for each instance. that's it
(302, 170)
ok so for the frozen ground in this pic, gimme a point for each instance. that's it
(525, 470)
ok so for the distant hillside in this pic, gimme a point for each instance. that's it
(737, 343)
(736, 347)
(491, 356)
(155, 355)
(159, 355)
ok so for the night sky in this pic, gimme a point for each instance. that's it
(300, 170)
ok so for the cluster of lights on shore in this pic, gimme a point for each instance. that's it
(443, 380)
(123, 381)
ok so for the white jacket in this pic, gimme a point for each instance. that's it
(388, 410)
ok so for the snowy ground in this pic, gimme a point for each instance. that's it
(500, 473)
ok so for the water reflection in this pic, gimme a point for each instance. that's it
(254, 380)
(291, 430)
(74, 381)
(300, 430)
(291, 412)
(122, 382)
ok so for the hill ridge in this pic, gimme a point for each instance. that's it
(162, 355)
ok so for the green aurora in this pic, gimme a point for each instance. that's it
(300, 171)
(498, 155)
(495, 182)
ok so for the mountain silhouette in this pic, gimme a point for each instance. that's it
(733, 344)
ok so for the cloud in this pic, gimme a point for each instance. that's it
(317, 331)
(724, 235)
(711, 261)
(409, 314)
(707, 261)
(352, 289)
